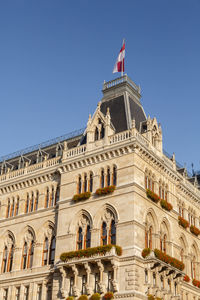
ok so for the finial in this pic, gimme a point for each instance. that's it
(133, 123)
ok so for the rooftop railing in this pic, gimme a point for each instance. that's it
(120, 80)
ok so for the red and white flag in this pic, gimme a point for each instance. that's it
(119, 65)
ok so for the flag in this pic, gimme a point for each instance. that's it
(119, 65)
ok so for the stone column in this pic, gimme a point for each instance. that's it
(75, 288)
(101, 283)
(88, 272)
(62, 288)
(114, 281)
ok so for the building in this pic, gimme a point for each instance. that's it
(108, 184)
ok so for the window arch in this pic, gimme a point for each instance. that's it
(28, 251)
(149, 181)
(84, 233)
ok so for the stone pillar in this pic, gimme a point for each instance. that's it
(62, 288)
(102, 288)
(17, 258)
(95, 233)
(37, 258)
(88, 272)
(115, 281)
(75, 288)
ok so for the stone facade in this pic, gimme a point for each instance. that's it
(119, 147)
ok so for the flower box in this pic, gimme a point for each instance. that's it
(194, 230)
(101, 250)
(83, 297)
(166, 205)
(169, 260)
(153, 196)
(106, 190)
(146, 252)
(184, 223)
(196, 283)
(186, 278)
(95, 296)
(82, 196)
(109, 295)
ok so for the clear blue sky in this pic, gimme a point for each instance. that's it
(55, 55)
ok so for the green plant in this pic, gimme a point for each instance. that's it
(194, 230)
(70, 298)
(196, 283)
(109, 295)
(83, 297)
(146, 252)
(82, 196)
(106, 190)
(184, 223)
(102, 250)
(153, 196)
(166, 205)
(95, 296)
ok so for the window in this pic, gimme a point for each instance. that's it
(162, 282)
(39, 292)
(96, 283)
(104, 234)
(24, 255)
(146, 275)
(108, 176)
(49, 290)
(52, 250)
(10, 259)
(102, 178)
(45, 251)
(149, 182)
(110, 278)
(148, 238)
(17, 207)
(27, 204)
(71, 283)
(31, 203)
(114, 175)
(52, 200)
(96, 134)
(30, 255)
(88, 237)
(47, 198)
(84, 285)
(26, 292)
(12, 208)
(91, 182)
(175, 288)
(57, 194)
(169, 284)
(79, 184)
(5, 257)
(85, 183)
(36, 201)
(163, 243)
(112, 233)
(17, 293)
(80, 239)
(5, 294)
(8, 209)
(154, 279)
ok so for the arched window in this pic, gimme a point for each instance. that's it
(112, 233)
(91, 182)
(96, 134)
(30, 255)
(52, 250)
(57, 194)
(104, 234)
(47, 198)
(12, 208)
(45, 251)
(31, 202)
(24, 256)
(80, 239)
(79, 184)
(36, 201)
(17, 207)
(85, 183)
(5, 258)
(114, 175)
(87, 237)
(108, 177)
(10, 259)
(102, 178)
(149, 182)
(8, 209)
(102, 133)
(27, 204)
(148, 238)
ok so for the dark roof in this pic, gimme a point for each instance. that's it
(119, 114)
